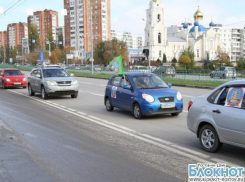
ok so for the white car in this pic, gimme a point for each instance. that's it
(219, 117)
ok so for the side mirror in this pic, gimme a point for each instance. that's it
(38, 75)
(170, 85)
(71, 74)
(127, 87)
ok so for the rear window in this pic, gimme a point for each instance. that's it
(213, 96)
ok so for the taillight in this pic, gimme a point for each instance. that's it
(189, 105)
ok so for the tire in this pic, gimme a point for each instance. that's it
(209, 139)
(74, 95)
(24, 87)
(43, 93)
(174, 114)
(211, 75)
(30, 91)
(223, 76)
(108, 105)
(137, 111)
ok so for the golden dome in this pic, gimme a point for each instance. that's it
(198, 15)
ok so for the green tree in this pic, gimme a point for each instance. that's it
(164, 58)
(191, 55)
(174, 60)
(105, 51)
(7, 54)
(241, 64)
(51, 41)
(184, 60)
(34, 41)
(60, 40)
(2, 54)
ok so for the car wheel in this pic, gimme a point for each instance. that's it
(43, 93)
(137, 111)
(24, 87)
(223, 76)
(30, 91)
(74, 95)
(108, 105)
(174, 114)
(211, 75)
(209, 139)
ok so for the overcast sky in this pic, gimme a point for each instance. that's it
(126, 15)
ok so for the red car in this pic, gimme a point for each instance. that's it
(11, 77)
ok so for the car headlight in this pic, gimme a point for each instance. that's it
(148, 98)
(7, 79)
(24, 79)
(51, 83)
(74, 82)
(179, 96)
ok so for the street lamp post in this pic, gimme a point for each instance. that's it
(92, 55)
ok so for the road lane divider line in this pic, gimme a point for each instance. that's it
(85, 83)
(143, 137)
(187, 96)
(97, 94)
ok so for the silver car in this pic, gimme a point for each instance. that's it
(224, 72)
(52, 80)
(219, 117)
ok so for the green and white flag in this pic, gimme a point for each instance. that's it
(117, 65)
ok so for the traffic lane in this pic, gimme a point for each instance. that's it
(74, 150)
(165, 127)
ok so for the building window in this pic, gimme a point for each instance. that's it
(159, 38)
(211, 44)
(158, 17)
(160, 54)
(198, 53)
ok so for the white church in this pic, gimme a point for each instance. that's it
(204, 42)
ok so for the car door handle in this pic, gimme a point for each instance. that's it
(217, 111)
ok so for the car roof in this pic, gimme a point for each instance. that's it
(236, 82)
(137, 73)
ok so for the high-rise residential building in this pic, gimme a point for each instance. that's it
(3, 38)
(15, 33)
(132, 41)
(78, 23)
(45, 21)
(60, 30)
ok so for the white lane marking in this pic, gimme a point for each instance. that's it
(82, 113)
(187, 96)
(72, 110)
(185, 111)
(190, 151)
(103, 85)
(97, 94)
(120, 129)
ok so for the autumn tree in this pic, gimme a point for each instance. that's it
(105, 51)
(55, 56)
(2, 54)
(189, 52)
(33, 37)
(222, 57)
(184, 60)
(60, 41)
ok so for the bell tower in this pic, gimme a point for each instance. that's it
(155, 31)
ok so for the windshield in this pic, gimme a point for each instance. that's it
(149, 82)
(55, 73)
(12, 72)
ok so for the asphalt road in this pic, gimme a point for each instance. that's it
(74, 139)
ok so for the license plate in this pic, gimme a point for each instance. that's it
(65, 88)
(17, 83)
(167, 105)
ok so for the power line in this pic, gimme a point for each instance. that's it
(235, 23)
(9, 10)
(9, 4)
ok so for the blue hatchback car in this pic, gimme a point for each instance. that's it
(143, 94)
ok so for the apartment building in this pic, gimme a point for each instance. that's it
(60, 30)
(44, 20)
(233, 40)
(3, 38)
(81, 16)
(15, 33)
(132, 41)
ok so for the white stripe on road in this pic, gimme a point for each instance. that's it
(86, 83)
(127, 131)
